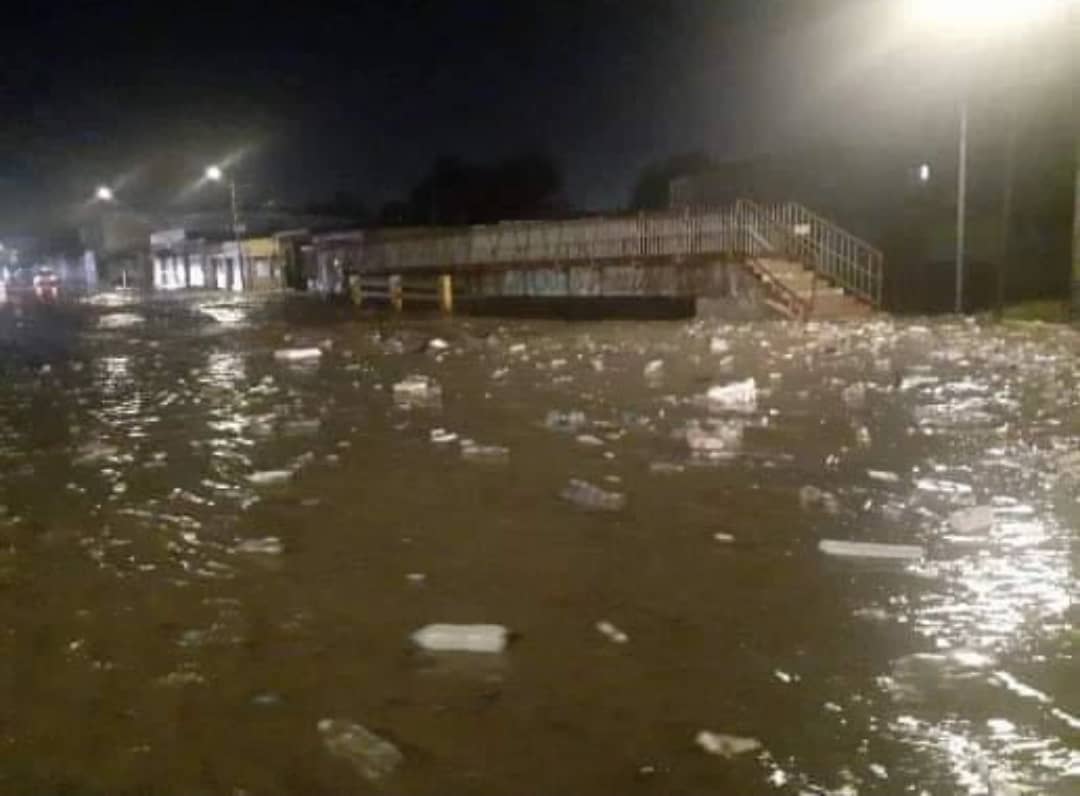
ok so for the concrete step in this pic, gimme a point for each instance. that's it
(828, 301)
(839, 308)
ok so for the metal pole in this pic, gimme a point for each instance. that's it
(1074, 24)
(1006, 213)
(961, 202)
(244, 280)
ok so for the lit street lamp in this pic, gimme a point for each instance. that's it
(972, 20)
(104, 194)
(215, 173)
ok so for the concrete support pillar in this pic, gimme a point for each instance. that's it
(446, 293)
(397, 301)
(187, 269)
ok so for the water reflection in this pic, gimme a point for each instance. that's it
(245, 546)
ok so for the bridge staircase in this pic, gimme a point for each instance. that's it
(810, 267)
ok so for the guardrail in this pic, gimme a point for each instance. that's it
(742, 230)
(832, 252)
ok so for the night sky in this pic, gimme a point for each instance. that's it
(313, 99)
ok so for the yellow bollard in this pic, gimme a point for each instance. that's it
(446, 293)
(396, 299)
(357, 290)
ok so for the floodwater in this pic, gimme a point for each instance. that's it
(212, 559)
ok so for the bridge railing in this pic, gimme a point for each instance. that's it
(832, 252)
(742, 230)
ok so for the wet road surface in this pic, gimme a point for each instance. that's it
(212, 558)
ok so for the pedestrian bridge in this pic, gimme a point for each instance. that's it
(802, 264)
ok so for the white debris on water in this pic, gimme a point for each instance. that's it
(269, 477)
(884, 476)
(582, 493)
(811, 497)
(267, 546)
(724, 745)
(718, 345)
(854, 395)
(725, 538)
(714, 438)
(589, 439)
(480, 638)
(977, 519)
(871, 550)
(654, 369)
(565, 421)
(489, 454)
(437, 344)
(611, 632)
(440, 436)
(417, 389)
(309, 354)
(739, 396)
(95, 452)
(374, 757)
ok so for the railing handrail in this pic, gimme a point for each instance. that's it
(743, 229)
(820, 219)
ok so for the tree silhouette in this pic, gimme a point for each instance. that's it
(652, 189)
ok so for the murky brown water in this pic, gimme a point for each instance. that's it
(169, 625)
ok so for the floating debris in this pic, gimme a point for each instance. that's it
(269, 477)
(373, 757)
(884, 476)
(441, 436)
(417, 389)
(893, 552)
(813, 497)
(267, 546)
(715, 438)
(488, 454)
(589, 439)
(739, 396)
(726, 746)
(654, 369)
(565, 421)
(611, 632)
(461, 638)
(298, 354)
(588, 496)
(854, 395)
(978, 519)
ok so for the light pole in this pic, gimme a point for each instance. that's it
(105, 194)
(961, 201)
(968, 21)
(215, 173)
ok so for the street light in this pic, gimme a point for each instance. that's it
(104, 193)
(973, 20)
(215, 173)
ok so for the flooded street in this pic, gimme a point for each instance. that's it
(224, 519)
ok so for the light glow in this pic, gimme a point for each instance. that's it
(214, 173)
(104, 193)
(980, 16)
